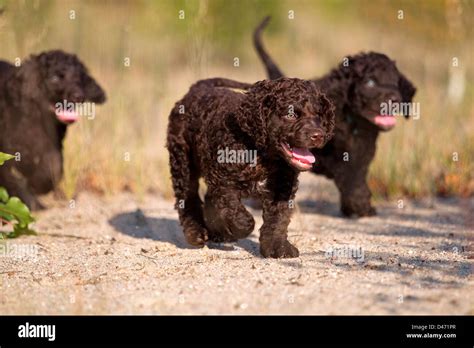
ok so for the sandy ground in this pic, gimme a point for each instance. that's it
(122, 255)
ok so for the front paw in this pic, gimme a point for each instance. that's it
(278, 249)
(359, 211)
(221, 237)
(371, 212)
(35, 205)
(196, 236)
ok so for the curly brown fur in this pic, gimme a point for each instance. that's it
(5, 70)
(357, 91)
(29, 126)
(210, 119)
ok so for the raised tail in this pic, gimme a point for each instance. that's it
(273, 71)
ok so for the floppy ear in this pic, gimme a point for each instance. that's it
(92, 91)
(253, 117)
(340, 92)
(343, 81)
(406, 88)
(327, 115)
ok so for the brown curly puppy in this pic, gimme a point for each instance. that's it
(251, 143)
(32, 125)
(357, 89)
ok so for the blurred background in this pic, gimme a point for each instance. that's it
(146, 55)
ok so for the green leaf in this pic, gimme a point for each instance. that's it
(5, 157)
(18, 209)
(3, 195)
(4, 215)
(13, 210)
(18, 231)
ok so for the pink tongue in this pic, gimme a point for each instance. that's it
(386, 121)
(67, 116)
(303, 155)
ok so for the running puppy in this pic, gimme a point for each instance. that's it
(248, 143)
(357, 90)
(32, 125)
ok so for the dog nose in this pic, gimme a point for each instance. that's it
(395, 98)
(317, 138)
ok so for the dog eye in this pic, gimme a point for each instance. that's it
(56, 78)
(290, 116)
(370, 83)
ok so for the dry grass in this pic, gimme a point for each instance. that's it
(167, 56)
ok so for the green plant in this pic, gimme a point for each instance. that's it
(13, 211)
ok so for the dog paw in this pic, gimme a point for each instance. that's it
(355, 213)
(221, 238)
(279, 249)
(372, 211)
(35, 205)
(196, 237)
